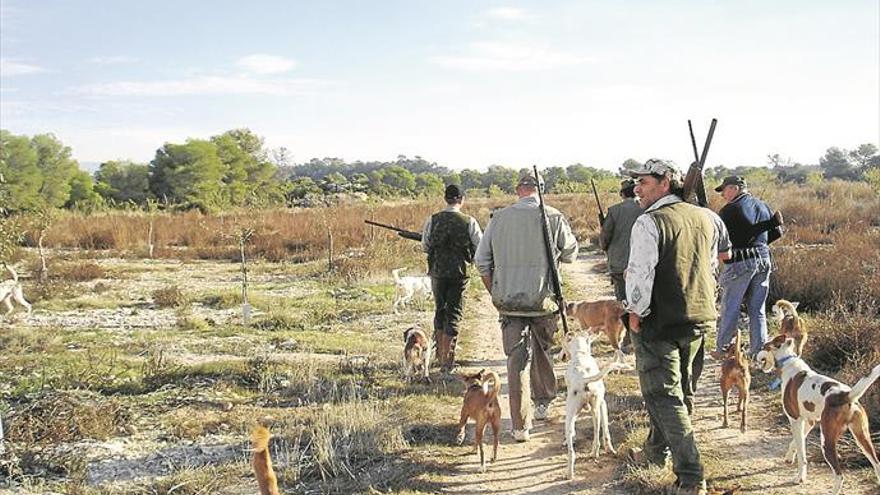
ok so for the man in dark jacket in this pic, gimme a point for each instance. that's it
(614, 237)
(450, 238)
(746, 275)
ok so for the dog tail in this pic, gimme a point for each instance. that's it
(616, 365)
(262, 462)
(496, 385)
(862, 385)
(737, 350)
(396, 274)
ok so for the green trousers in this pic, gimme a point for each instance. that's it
(664, 365)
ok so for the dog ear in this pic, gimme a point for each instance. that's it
(795, 304)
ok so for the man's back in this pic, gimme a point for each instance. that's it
(513, 250)
(615, 234)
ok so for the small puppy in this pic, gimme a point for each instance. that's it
(605, 314)
(809, 398)
(416, 353)
(407, 288)
(586, 390)
(735, 374)
(10, 290)
(262, 462)
(790, 324)
(481, 404)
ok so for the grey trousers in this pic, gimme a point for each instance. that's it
(524, 339)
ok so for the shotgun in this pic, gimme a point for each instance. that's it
(551, 260)
(598, 203)
(406, 234)
(693, 181)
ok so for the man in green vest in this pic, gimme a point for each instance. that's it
(450, 238)
(670, 288)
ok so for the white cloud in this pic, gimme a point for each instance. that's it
(493, 55)
(266, 64)
(10, 67)
(205, 85)
(507, 13)
(112, 60)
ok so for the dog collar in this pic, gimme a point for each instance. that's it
(781, 362)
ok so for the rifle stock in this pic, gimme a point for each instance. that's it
(554, 270)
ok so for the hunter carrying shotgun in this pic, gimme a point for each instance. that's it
(675, 247)
(515, 268)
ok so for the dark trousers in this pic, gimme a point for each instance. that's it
(448, 303)
(665, 369)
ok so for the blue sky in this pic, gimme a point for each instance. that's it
(463, 83)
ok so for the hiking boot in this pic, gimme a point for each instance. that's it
(521, 435)
(541, 411)
(698, 489)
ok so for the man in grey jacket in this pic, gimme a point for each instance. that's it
(512, 262)
(614, 237)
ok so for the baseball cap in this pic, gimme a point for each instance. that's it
(655, 166)
(527, 178)
(453, 191)
(731, 180)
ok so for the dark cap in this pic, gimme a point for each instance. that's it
(627, 184)
(731, 180)
(527, 178)
(453, 191)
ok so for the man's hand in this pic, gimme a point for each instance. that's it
(487, 282)
(635, 323)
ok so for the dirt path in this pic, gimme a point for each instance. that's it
(749, 462)
(540, 465)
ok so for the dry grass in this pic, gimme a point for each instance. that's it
(170, 297)
(65, 416)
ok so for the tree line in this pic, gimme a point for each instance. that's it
(236, 169)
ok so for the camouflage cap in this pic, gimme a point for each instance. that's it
(657, 167)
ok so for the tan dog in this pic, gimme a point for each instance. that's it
(790, 324)
(416, 353)
(735, 374)
(262, 462)
(481, 404)
(605, 315)
(809, 398)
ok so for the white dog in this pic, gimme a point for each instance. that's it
(586, 390)
(10, 290)
(407, 288)
(809, 398)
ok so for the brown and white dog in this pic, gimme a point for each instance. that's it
(605, 315)
(735, 374)
(790, 324)
(11, 290)
(809, 398)
(481, 404)
(416, 353)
